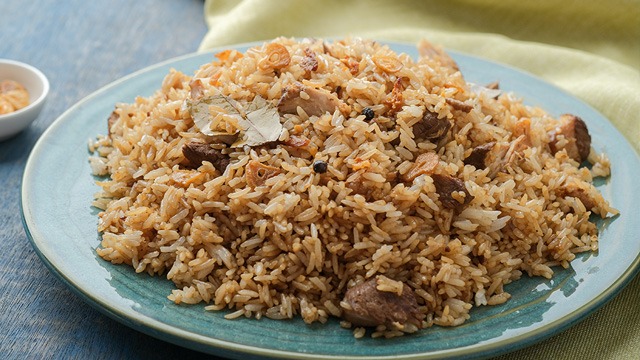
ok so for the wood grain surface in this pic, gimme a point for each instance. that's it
(80, 46)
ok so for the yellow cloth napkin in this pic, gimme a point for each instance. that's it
(590, 48)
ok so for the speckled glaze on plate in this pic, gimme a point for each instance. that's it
(58, 188)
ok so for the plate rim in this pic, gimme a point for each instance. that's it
(185, 338)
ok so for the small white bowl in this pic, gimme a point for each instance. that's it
(38, 87)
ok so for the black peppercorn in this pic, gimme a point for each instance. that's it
(368, 113)
(320, 166)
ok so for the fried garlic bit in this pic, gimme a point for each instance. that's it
(277, 57)
(388, 64)
(13, 96)
(257, 173)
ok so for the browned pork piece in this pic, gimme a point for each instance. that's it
(446, 187)
(316, 101)
(431, 127)
(459, 105)
(478, 156)
(452, 191)
(497, 156)
(310, 61)
(580, 193)
(576, 134)
(370, 306)
(197, 152)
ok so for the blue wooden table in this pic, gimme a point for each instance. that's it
(80, 46)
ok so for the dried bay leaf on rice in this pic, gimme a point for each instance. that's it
(261, 123)
(227, 116)
(222, 117)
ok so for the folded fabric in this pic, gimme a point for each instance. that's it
(608, 28)
(609, 81)
(589, 48)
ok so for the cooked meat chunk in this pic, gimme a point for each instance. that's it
(111, 120)
(197, 152)
(257, 173)
(577, 142)
(459, 105)
(449, 188)
(310, 61)
(580, 193)
(316, 102)
(431, 127)
(478, 156)
(504, 154)
(372, 307)
(428, 50)
(425, 164)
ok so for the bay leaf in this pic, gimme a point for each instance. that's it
(200, 111)
(261, 123)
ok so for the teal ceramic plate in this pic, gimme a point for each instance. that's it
(57, 191)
